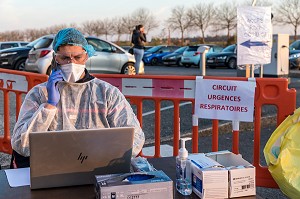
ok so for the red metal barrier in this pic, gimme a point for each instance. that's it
(19, 83)
(269, 91)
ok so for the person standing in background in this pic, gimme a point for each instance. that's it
(138, 40)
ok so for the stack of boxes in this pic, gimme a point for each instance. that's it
(222, 175)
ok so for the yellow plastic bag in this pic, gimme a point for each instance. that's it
(282, 154)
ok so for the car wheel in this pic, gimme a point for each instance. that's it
(232, 63)
(20, 65)
(154, 61)
(128, 69)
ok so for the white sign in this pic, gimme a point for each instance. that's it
(224, 99)
(254, 35)
(13, 82)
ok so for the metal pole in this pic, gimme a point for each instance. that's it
(261, 71)
(252, 70)
(202, 63)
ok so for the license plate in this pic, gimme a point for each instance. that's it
(166, 63)
(186, 58)
(210, 61)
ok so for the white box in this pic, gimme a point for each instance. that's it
(209, 178)
(241, 173)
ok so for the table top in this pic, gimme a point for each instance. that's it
(87, 191)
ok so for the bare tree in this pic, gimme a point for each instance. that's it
(288, 13)
(180, 20)
(107, 27)
(144, 16)
(118, 28)
(54, 29)
(128, 24)
(88, 27)
(258, 3)
(226, 18)
(31, 34)
(14, 35)
(98, 27)
(203, 15)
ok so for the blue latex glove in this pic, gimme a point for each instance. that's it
(53, 93)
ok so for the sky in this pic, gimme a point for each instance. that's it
(23, 14)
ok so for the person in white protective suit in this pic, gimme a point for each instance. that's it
(71, 99)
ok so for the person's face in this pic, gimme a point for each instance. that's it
(71, 54)
(142, 29)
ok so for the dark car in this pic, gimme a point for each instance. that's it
(154, 55)
(294, 55)
(14, 58)
(174, 58)
(225, 58)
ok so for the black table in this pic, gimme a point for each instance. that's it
(6, 192)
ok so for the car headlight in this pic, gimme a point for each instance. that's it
(295, 55)
(222, 57)
(7, 54)
(148, 55)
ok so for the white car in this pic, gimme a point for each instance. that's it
(109, 58)
(191, 56)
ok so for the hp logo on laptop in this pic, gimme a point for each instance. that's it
(82, 157)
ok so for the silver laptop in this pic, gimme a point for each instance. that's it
(66, 158)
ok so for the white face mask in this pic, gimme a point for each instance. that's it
(71, 72)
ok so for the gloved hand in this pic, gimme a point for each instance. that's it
(53, 93)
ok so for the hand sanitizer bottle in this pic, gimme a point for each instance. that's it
(183, 174)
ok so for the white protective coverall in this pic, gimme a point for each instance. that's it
(89, 105)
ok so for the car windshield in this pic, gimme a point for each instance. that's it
(230, 48)
(154, 49)
(192, 48)
(43, 43)
(180, 50)
(295, 45)
(31, 44)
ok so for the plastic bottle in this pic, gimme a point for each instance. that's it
(183, 174)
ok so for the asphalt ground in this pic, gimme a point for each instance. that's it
(246, 136)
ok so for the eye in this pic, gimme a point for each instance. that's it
(78, 57)
(64, 58)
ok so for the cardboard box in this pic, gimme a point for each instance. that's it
(213, 172)
(241, 173)
(150, 185)
(209, 178)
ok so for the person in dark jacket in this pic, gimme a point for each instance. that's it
(138, 40)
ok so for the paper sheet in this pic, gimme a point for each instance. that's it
(18, 177)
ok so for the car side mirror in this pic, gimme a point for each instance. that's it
(113, 49)
(161, 51)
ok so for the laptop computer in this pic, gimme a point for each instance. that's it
(74, 157)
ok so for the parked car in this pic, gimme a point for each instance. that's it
(130, 50)
(174, 58)
(154, 55)
(12, 44)
(14, 58)
(191, 56)
(294, 55)
(126, 47)
(108, 58)
(225, 58)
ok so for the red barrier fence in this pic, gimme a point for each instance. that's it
(269, 91)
